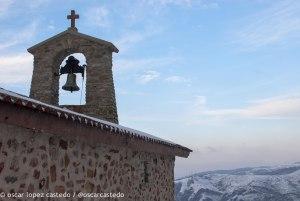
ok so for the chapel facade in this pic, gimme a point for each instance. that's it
(73, 149)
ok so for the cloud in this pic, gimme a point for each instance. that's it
(15, 69)
(130, 64)
(4, 6)
(176, 79)
(272, 108)
(12, 38)
(200, 3)
(37, 3)
(145, 11)
(277, 23)
(131, 38)
(7, 6)
(148, 76)
(237, 154)
(98, 16)
(200, 102)
(171, 2)
(51, 26)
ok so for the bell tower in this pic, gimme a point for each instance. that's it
(49, 54)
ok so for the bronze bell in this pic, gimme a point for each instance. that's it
(71, 83)
(72, 66)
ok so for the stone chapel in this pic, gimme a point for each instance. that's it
(78, 152)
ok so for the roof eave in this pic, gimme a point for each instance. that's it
(25, 117)
(36, 106)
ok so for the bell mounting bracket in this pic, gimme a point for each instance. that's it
(72, 66)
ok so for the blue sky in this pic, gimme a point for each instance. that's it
(219, 76)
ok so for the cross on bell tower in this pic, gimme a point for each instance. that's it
(73, 17)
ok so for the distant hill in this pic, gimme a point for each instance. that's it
(277, 183)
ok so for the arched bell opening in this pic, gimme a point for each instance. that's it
(72, 86)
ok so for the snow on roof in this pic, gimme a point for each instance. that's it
(15, 98)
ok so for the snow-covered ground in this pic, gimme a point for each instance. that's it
(277, 183)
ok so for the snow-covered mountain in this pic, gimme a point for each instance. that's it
(277, 183)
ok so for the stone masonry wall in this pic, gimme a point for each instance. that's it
(100, 91)
(34, 161)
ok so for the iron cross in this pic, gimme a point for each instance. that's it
(73, 17)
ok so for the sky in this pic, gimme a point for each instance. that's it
(221, 77)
